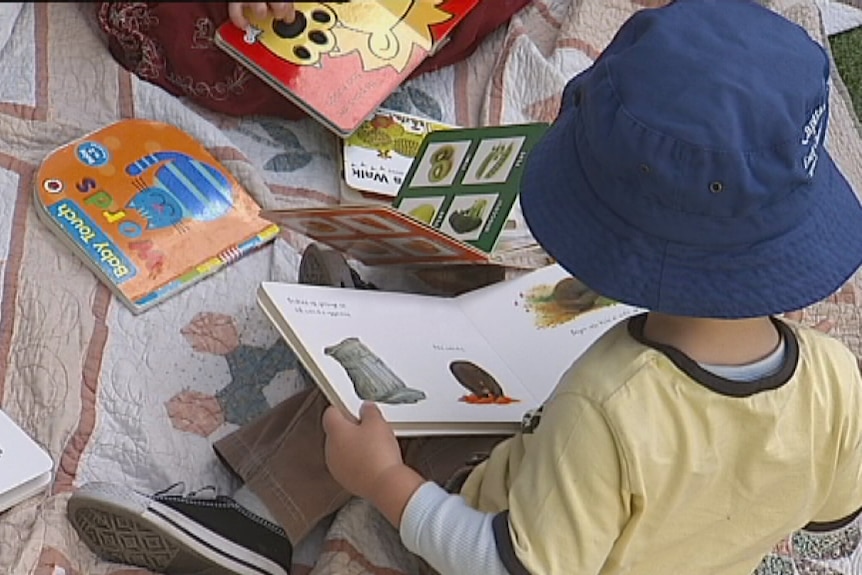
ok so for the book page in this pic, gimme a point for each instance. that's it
(417, 356)
(376, 235)
(541, 322)
(466, 181)
(22, 461)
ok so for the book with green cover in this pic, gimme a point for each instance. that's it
(465, 182)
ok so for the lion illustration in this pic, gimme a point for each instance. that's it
(383, 32)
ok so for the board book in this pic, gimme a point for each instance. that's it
(378, 155)
(25, 468)
(458, 203)
(147, 209)
(475, 363)
(339, 60)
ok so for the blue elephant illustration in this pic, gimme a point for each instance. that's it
(183, 188)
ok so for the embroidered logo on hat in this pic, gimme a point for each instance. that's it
(814, 129)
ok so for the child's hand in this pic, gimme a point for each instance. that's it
(357, 453)
(364, 457)
(260, 10)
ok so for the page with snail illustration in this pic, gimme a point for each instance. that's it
(419, 357)
(541, 322)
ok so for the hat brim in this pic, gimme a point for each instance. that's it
(779, 274)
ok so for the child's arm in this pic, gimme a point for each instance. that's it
(450, 535)
(365, 458)
(260, 10)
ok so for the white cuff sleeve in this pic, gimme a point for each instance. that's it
(451, 536)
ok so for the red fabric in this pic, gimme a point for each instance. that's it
(170, 44)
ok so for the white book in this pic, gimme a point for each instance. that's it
(25, 468)
(475, 363)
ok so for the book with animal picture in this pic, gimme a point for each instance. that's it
(466, 182)
(25, 467)
(378, 155)
(458, 203)
(147, 209)
(475, 363)
(339, 60)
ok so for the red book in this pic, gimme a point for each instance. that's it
(339, 60)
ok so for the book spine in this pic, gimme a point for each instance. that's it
(209, 267)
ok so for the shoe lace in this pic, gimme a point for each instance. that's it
(174, 487)
(179, 489)
(205, 492)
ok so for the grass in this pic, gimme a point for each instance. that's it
(847, 50)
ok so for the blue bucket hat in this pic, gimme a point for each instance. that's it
(686, 171)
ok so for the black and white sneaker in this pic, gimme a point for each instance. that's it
(177, 534)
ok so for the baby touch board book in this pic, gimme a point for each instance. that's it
(25, 467)
(339, 60)
(148, 209)
(475, 363)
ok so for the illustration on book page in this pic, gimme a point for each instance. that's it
(560, 303)
(372, 379)
(483, 388)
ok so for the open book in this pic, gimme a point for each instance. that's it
(339, 60)
(475, 363)
(25, 468)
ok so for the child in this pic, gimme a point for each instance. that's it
(170, 44)
(685, 174)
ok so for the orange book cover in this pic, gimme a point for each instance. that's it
(148, 209)
(339, 60)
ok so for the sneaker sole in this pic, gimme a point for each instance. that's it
(123, 526)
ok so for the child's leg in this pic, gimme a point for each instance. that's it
(280, 458)
(448, 460)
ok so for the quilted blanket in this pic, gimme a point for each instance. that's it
(139, 400)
